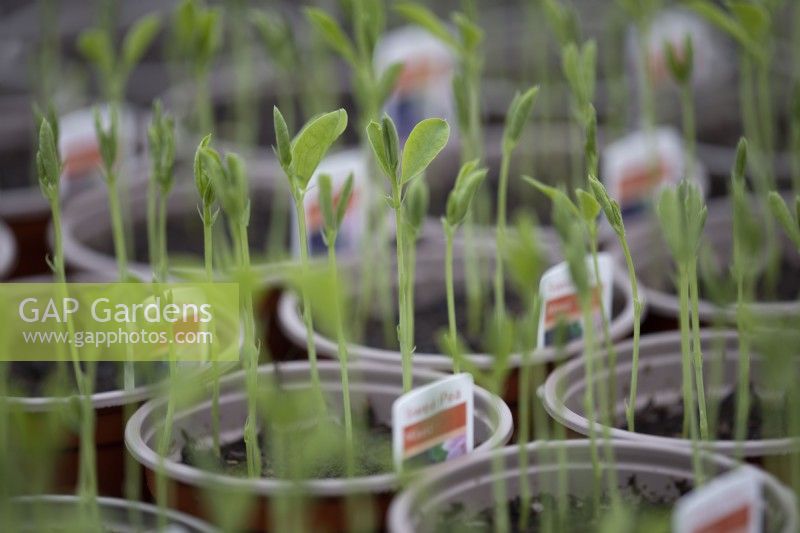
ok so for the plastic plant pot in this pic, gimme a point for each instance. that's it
(657, 471)
(8, 250)
(376, 384)
(430, 295)
(54, 512)
(660, 385)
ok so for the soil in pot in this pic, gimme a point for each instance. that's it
(373, 451)
(44, 378)
(666, 420)
(649, 512)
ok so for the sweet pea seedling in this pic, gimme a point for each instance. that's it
(424, 143)
(681, 64)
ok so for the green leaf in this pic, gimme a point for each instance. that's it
(518, 114)
(416, 205)
(391, 142)
(344, 200)
(461, 101)
(728, 24)
(314, 141)
(282, 139)
(424, 143)
(96, 47)
(471, 34)
(554, 194)
(754, 18)
(333, 34)
(388, 81)
(782, 214)
(610, 206)
(326, 203)
(376, 141)
(107, 139)
(202, 180)
(138, 39)
(426, 19)
(47, 160)
(460, 199)
(740, 165)
(680, 66)
(588, 205)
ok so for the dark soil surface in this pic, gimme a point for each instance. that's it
(33, 379)
(649, 512)
(373, 452)
(431, 320)
(667, 420)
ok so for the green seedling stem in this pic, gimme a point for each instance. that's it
(681, 66)
(49, 167)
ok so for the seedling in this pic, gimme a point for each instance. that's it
(681, 64)
(196, 39)
(458, 204)
(614, 216)
(579, 66)
(161, 142)
(789, 222)
(682, 216)
(49, 166)
(299, 159)
(113, 68)
(424, 143)
(333, 211)
(642, 12)
(278, 41)
(229, 182)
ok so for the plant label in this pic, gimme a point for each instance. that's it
(338, 166)
(80, 151)
(561, 317)
(730, 503)
(424, 88)
(635, 167)
(433, 423)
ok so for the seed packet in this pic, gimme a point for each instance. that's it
(730, 503)
(338, 166)
(561, 314)
(433, 423)
(424, 88)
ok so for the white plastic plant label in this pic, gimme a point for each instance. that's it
(561, 306)
(635, 167)
(712, 62)
(424, 88)
(433, 423)
(338, 166)
(730, 503)
(80, 151)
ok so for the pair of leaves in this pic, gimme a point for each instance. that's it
(790, 223)
(468, 181)
(197, 33)
(108, 139)
(524, 256)
(519, 111)
(579, 66)
(161, 141)
(276, 35)
(424, 143)
(747, 230)
(682, 214)
(333, 209)
(229, 180)
(97, 47)
(586, 209)
(609, 205)
(469, 35)
(301, 157)
(680, 62)
(48, 163)
(416, 206)
(564, 21)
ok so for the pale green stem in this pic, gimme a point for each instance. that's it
(698, 353)
(208, 261)
(402, 289)
(689, 131)
(743, 384)
(689, 404)
(448, 279)
(502, 198)
(630, 412)
(588, 396)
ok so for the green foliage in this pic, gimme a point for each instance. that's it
(385, 145)
(229, 181)
(48, 162)
(519, 111)
(196, 34)
(789, 222)
(682, 214)
(459, 200)
(108, 139)
(610, 206)
(202, 179)
(579, 69)
(564, 21)
(525, 256)
(334, 35)
(113, 70)
(161, 141)
(680, 66)
(333, 211)
(747, 23)
(424, 143)
(426, 19)
(416, 205)
(747, 228)
(277, 36)
(312, 143)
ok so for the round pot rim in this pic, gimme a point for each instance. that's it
(8, 244)
(122, 504)
(294, 327)
(23, 203)
(380, 483)
(403, 505)
(577, 422)
(667, 302)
